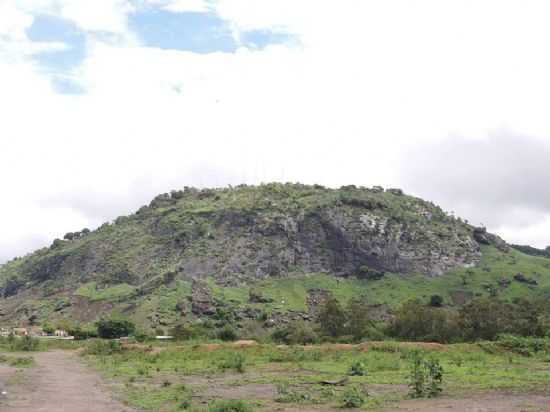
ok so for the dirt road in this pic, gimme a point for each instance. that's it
(59, 382)
(482, 402)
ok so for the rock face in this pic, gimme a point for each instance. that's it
(483, 237)
(316, 298)
(201, 300)
(243, 233)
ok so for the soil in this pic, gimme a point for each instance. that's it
(483, 402)
(58, 382)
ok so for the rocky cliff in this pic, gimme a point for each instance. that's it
(243, 234)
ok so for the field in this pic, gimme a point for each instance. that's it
(268, 377)
(512, 374)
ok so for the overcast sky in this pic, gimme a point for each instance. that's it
(106, 103)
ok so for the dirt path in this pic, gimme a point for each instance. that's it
(483, 402)
(59, 382)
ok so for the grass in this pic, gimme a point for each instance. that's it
(297, 372)
(90, 291)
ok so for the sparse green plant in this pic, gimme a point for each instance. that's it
(354, 397)
(228, 334)
(425, 376)
(235, 361)
(231, 405)
(103, 348)
(357, 369)
(25, 344)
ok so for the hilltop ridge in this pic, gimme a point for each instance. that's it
(188, 246)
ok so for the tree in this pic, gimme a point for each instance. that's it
(358, 319)
(436, 301)
(484, 318)
(416, 321)
(114, 328)
(332, 318)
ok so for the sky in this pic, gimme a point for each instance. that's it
(106, 103)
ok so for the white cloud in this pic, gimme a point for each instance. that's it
(371, 81)
(181, 6)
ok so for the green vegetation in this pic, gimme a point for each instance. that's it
(261, 248)
(114, 328)
(20, 344)
(16, 361)
(298, 375)
(426, 376)
(90, 291)
(229, 406)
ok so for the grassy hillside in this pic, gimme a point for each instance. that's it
(195, 252)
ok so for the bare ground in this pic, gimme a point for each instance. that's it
(58, 382)
(493, 401)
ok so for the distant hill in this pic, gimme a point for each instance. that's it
(276, 248)
(529, 250)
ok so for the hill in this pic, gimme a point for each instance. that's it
(274, 250)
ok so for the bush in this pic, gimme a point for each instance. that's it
(436, 301)
(228, 334)
(418, 322)
(189, 332)
(358, 322)
(353, 398)
(287, 394)
(357, 369)
(332, 318)
(425, 377)
(295, 333)
(235, 361)
(114, 328)
(102, 348)
(229, 406)
(525, 346)
(24, 344)
(82, 334)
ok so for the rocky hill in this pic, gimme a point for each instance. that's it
(189, 252)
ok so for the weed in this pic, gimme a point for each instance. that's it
(229, 406)
(235, 361)
(103, 348)
(426, 377)
(357, 369)
(353, 397)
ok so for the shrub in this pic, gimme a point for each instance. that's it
(25, 344)
(368, 273)
(82, 334)
(295, 333)
(357, 369)
(436, 301)
(332, 318)
(416, 321)
(227, 334)
(229, 406)
(353, 397)
(358, 322)
(98, 347)
(526, 346)
(235, 361)
(425, 377)
(287, 394)
(114, 328)
(189, 332)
